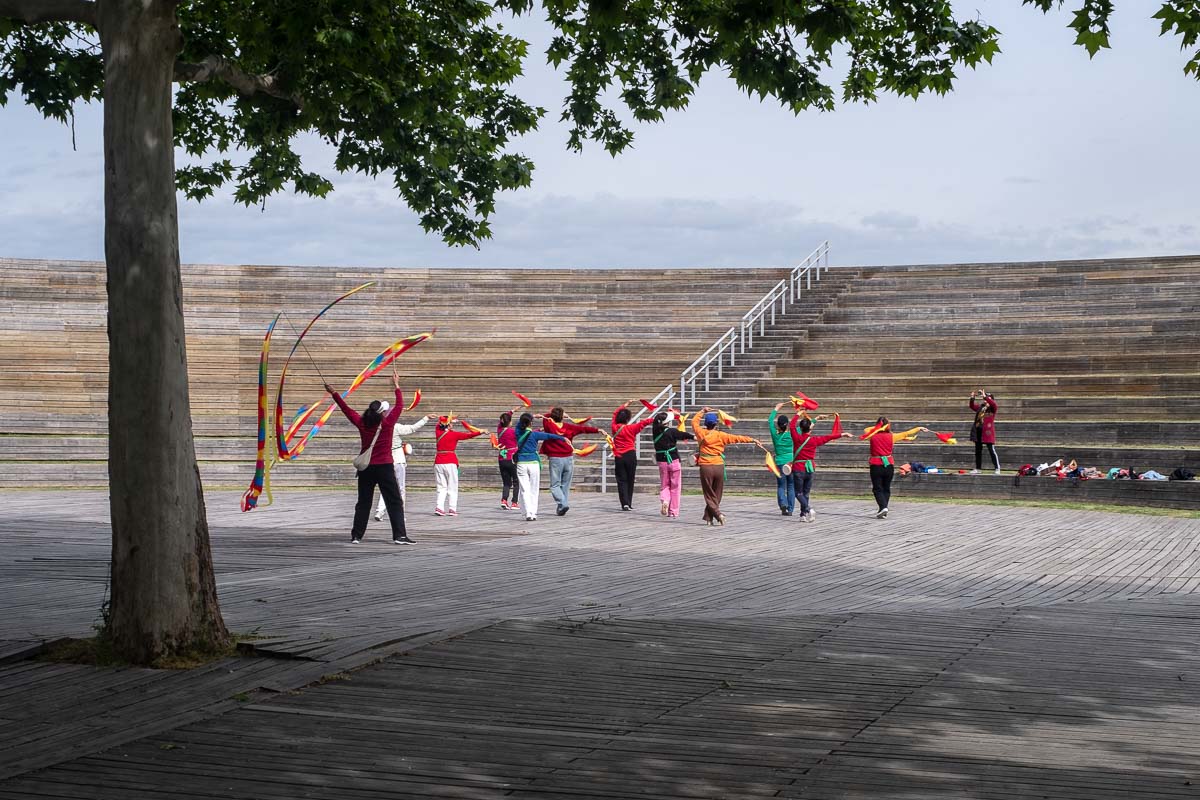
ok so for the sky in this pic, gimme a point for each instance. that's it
(1045, 154)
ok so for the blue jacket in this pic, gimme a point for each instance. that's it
(528, 441)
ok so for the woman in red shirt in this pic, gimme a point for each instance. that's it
(375, 429)
(882, 464)
(445, 465)
(624, 449)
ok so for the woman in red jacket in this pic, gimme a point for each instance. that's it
(983, 430)
(625, 435)
(882, 463)
(375, 429)
(805, 446)
(445, 464)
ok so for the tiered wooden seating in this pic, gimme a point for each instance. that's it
(586, 338)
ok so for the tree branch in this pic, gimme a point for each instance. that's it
(31, 11)
(247, 85)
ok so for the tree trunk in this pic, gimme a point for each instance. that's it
(164, 597)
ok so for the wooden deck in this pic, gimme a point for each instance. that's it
(950, 651)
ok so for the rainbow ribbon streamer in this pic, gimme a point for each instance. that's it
(262, 469)
(290, 449)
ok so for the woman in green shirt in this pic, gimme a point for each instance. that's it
(781, 438)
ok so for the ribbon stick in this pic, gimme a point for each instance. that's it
(524, 400)
(378, 364)
(280, 435)
(262, 467)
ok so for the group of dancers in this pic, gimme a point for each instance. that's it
(794, 445)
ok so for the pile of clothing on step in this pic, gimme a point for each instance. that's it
(1061, 470)
(918, 467)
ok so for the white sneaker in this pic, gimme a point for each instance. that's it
(882, 514)
(805, 518)
(997, 472)
(811, 515)
(378, 516)
(973, 472)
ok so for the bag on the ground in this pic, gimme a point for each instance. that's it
(363, 459)
(1182, 474)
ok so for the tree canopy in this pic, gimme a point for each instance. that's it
(421, 91)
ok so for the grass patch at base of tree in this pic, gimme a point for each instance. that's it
(97, 651)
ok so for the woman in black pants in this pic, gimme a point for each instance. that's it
(983, 429)
(624, 449)
(375, 429)
(882, 461)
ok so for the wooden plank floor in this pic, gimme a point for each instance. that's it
(1079, 616)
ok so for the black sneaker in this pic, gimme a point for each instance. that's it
(403, 540)
(562, 510)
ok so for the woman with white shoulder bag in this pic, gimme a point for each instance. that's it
(401, 450)
(376, 426)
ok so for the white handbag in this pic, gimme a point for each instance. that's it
(363, 459)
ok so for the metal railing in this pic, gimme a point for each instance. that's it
(737, 340)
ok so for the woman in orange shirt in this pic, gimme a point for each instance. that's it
(711, 460)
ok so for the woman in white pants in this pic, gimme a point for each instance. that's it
(400, 460)
(529, 466)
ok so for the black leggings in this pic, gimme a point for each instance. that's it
(383, 475)
(991, 451)
(626, 467)
(881, 484)
(508, 474)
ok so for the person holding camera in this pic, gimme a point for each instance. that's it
(983, 430)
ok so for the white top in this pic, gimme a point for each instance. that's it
(398, 442)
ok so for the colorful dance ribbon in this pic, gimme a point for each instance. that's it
(874, 429)
(725, 419)
(769, 460)
(524, 400)
(280, 436)
(802, 402)
(585, 451)
(947, 438)
(495, 442)
(416, 400)
(262, 468)
(581, 420)
(648, 405)
(288, 450)
(471, 427)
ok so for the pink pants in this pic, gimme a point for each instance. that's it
(670, 485)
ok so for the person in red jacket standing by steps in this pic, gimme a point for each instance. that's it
(806, 444)
(882, 464)
(625, 435)
(561, 455)
(445, 465)
(375, 429)
(983, 430)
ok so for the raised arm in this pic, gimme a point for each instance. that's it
(409, 430)
(394, 413)
(350, 413)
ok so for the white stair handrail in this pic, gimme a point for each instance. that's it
(739, 338)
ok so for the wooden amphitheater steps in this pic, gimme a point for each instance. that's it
(1120, 338)
(1095, 361)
